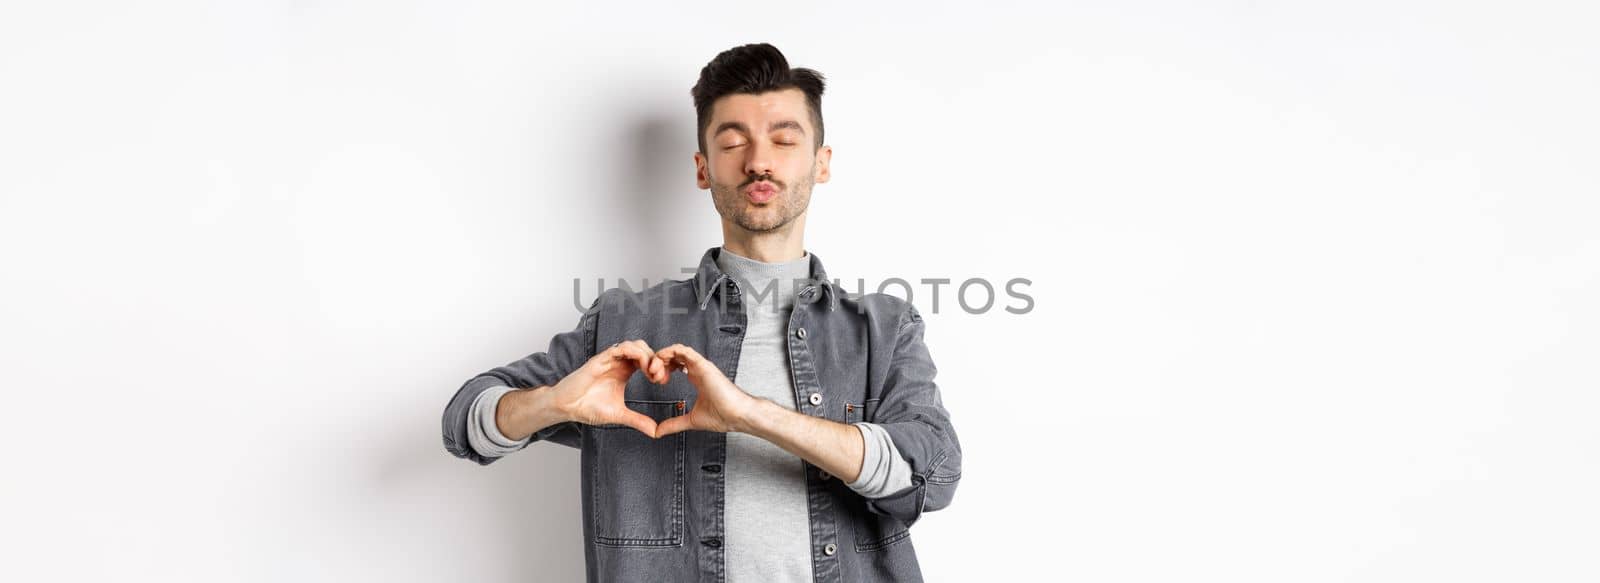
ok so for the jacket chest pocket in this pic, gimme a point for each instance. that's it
(863, 411)
(873, 531)
(637, 481)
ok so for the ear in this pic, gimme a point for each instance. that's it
(702, 172)
(824, 156)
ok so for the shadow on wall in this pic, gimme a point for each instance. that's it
(656, 206)
(664, 195)
(533, 500)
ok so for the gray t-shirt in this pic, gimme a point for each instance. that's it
(767, 522)
(768, 526)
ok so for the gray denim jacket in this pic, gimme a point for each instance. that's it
(652, 509)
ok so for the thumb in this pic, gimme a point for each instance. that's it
(673, 425)
(639, 421)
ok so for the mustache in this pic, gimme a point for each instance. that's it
(766, 177)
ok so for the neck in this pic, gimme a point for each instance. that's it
(775, 246)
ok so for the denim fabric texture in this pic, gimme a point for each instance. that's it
(653, 508)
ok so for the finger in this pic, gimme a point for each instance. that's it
(608, 359)
(631, 353)
(647, 361)
(679, 357)
(651, 365)
(658, 371)
(673, 425)
(665, 356)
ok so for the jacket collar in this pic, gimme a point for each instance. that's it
(709, 280)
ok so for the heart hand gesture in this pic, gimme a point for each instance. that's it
(720, 406)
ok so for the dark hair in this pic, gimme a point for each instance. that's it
(753, 68)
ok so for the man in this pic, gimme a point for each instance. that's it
(812, 466)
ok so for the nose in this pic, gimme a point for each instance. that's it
(760, 161)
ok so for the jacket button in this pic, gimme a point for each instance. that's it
(816, 398)
(801, 333)
(713, 468)
(821, 473)
(712, 542)
(829, 549)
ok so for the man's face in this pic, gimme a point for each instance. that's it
(760, 161)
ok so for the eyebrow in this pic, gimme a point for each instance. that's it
(775, 126)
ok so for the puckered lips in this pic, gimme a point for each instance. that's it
(760, 192)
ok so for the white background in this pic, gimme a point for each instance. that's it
(1315, 284)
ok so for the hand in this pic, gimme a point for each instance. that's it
(720, 406)
(593, 394)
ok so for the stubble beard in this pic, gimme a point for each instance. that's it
(775, 214)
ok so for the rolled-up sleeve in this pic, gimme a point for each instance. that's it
(483, 431)
(567, 351)
(913, 414)
(883, 470)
